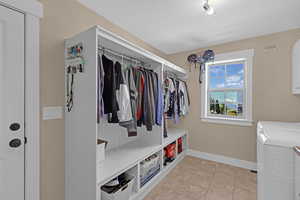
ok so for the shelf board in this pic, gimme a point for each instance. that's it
(173, 135)
(123, 158)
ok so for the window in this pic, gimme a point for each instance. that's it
(227, 89)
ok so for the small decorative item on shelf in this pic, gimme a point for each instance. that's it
(208, 56)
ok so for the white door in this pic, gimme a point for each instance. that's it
(11, 104)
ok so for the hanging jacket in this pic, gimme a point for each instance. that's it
(159, 102)
(109, 91)
(187, 93)
(170, 98)
(148, 102)
(139, 80)
(169, 89)
(123, 96)
(100, 88)
(177, 103)
(186, 107)
(115, 92)
(153, 77)
(173, 104)
(183, 99)
(133, 93)
(178, 98)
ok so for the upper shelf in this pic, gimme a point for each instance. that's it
(117, 43)
(124, 157)
(179, 71)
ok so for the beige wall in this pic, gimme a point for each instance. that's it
(63, 18)
(272, 97)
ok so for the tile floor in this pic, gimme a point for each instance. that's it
(197, 179)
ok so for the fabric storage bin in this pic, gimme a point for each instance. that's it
(149, 168)
(150, 174)
(148, 164)
(180, 145)
(122, 193)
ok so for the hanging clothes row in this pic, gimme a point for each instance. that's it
(176, 98)
(128, 94)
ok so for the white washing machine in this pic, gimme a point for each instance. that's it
(276, 160)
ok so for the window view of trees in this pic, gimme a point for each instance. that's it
(226, 88)
(225, 109)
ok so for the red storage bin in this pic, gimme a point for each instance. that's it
(180, 146)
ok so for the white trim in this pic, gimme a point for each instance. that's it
(246, 55)
(228, 121)
(125, 43)
(296, 91)
(129, 45)
(32, 7)
(32, 108)
(223, 159)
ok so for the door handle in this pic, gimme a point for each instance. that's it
(15, 143)
(14, 126)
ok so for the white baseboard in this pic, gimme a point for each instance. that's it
(223, 159)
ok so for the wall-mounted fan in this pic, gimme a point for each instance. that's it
(208, 56)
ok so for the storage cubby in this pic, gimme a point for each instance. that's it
(149, 168)
(181, 144)
(88, 166)
(170, 153)
(126, 185)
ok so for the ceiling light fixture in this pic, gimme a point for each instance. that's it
(208, 8)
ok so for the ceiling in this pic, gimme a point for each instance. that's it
(181, 25)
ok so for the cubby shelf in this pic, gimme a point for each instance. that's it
(153, 182)
(173, 135)
(120, 159)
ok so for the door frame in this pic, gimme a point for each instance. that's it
(33, 11)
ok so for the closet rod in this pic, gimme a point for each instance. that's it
(173, 75)
(104, 49)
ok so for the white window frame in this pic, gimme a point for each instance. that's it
(237, 56)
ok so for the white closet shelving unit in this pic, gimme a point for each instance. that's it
(84, 176)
